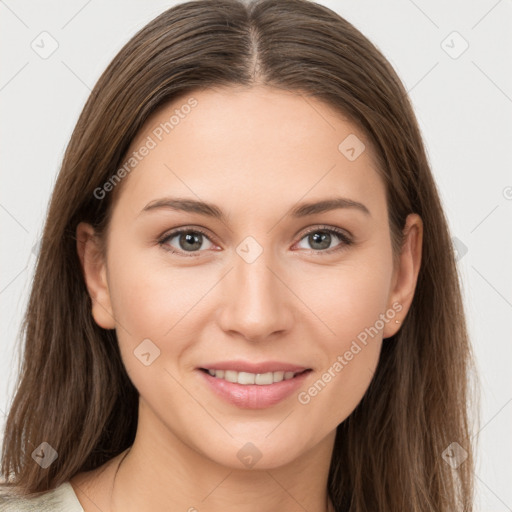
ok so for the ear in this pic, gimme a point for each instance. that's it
(95, 275)
(405, 274)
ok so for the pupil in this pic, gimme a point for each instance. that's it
(322, 238)
(194, 242)
(191, 239)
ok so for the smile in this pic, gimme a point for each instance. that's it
(246, 378)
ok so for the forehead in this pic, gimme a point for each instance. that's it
(256, 146)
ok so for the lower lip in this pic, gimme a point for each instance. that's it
(254, 396)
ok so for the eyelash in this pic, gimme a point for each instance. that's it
(321, 229)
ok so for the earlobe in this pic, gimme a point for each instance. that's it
(406, 274)
(95, 275)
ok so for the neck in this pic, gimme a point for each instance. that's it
(160, 471)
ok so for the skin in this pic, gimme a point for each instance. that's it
(294, 303)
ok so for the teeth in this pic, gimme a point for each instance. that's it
(264, 378)
(278, 376)
(231, 376)
(261, 379)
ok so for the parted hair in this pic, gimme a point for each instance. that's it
(72, 390)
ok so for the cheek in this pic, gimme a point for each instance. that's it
(361, 299)
(340, 386)
(351, 297)
(155, 309)
(149, 297)
(355, 308)
(349, 356)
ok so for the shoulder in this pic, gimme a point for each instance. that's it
(60, 499)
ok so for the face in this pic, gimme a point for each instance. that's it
(291, 302)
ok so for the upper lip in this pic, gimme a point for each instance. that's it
(249, 367)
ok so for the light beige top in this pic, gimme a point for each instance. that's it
(60, 499)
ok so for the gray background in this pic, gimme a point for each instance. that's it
(463, 101)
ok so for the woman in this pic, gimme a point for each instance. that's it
(246, 296)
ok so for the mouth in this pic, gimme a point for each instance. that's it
(248, 378)
(253, 386)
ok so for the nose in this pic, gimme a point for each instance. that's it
(258, 302)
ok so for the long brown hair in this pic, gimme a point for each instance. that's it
(73, 391)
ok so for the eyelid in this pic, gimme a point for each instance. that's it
(183, 229)
(324, 227)
(345, 236)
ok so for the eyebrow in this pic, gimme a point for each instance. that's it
(212, 210)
